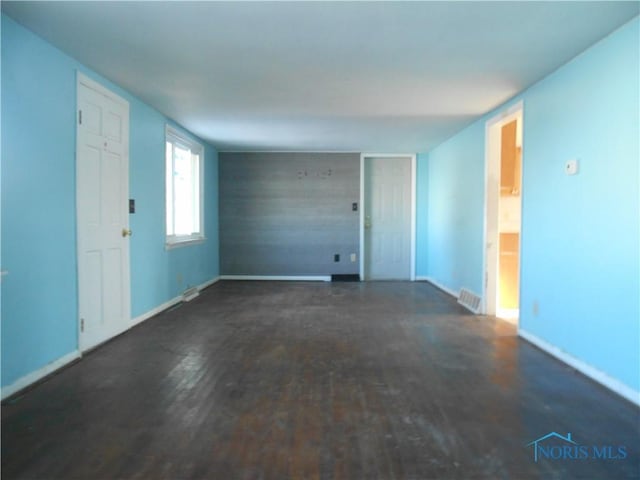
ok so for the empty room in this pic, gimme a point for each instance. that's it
(320, 240)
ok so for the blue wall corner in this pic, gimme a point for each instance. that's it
(157, 274)
(455, 199)
(580, 234)
(39, 304)
(38, 182)
(422, 212)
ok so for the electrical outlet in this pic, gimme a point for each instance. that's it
(353, 257)
(179, 278)
(336, 257)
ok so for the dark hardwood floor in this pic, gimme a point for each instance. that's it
(310, 380)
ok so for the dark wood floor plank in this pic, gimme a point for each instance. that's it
(311, 380)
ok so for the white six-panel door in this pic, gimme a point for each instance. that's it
(102, 179)
(387, 225)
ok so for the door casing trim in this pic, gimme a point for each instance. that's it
(412, 157)
(491, 166)
(82, 79)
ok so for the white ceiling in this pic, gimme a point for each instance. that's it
(323, 76)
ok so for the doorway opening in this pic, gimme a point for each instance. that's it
(503, 214)
(387, 217)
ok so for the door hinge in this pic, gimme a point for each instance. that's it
(82, 325)
(80, 117)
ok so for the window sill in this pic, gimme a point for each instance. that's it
(183, 243)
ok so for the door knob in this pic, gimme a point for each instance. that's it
(126, 233)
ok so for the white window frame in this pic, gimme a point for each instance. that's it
(176, 137)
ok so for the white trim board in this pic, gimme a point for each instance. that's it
(279, 278)
(414, 212)
(593, 373)
(155, 311)
(439, 286)
(33, 377)
(361, 225)
(208, 283)
(448, 291)
(168, 304)
(490, 227)
(36, 375)
(82, 78)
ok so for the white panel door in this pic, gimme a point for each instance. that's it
(102, 178)
(387, 218)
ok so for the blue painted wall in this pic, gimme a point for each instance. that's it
(455, 199)
(39, 297)
(422, 212)
(580, 234)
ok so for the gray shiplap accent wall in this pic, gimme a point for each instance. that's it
(288, 213)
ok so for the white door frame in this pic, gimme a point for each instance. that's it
(412, 157)
(491, 237)
(82, 79)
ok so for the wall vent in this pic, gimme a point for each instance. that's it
(190, 293)
(469, 300)
(337, 277)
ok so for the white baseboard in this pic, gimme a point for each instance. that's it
(28, 379)
(599, 376)
(155, 311)
(285, 278)
(447, 290)
(208, 283)
(36, 375)
(439, 286)
(168, 304)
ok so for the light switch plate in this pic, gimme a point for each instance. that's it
(571, 167)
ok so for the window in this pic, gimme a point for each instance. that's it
(184, 165)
